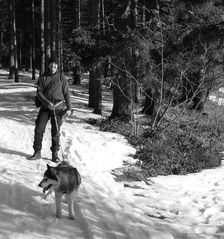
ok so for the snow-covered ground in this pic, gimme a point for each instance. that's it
(164, 207)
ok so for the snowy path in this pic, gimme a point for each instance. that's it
(99, 210)
(168, 207)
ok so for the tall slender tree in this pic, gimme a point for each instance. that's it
(77, 14)
(102, 17)
(47, 27)
(11, 45)
(13, 70)
(15, 42)
(95, 86)
(33, 41)
(59, 38)
(42, 39)
(53, 27)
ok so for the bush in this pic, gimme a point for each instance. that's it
(190, 144)
(178, 152)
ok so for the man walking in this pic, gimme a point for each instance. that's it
(52, 89)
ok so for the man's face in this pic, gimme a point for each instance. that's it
(53, 67)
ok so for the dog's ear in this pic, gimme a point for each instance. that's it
(54, 172)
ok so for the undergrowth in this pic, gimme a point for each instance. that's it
(191, 143)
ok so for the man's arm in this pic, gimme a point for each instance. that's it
(66, 93)
(40, 87)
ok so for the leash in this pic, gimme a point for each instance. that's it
(56, 124)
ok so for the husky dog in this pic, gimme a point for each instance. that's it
(63, 179)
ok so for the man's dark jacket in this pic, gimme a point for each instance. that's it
(53, 88)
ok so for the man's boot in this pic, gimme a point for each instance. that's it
(55, 157)
(35, 156)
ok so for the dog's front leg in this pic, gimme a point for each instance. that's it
(58, 204)
(71, 199)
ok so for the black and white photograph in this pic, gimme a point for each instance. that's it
(111, 119)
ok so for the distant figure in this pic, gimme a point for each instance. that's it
(52, 89)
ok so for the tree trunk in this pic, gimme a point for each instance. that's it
(149, 103)
(1, 39)
(143, 15)
(194, 92)
(91, 88)
(30, 57)
(1, 33)
(199, 94)
(122, 98)
(133, 14)
(42, 46)
(77, 14)
(33, 42)
(11, 39)
(98, 97)
(95, 14)
(95, 72)
(89, 12)
(20, 62)
(77, 73)
(102, 18)
(47, 38)
(95, 89)
(124, 85)
(60, 51)
(15, 43)
(53, 28)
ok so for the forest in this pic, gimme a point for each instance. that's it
(162, 59)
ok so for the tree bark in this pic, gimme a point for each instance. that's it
(60, 50)
(33, 42)
(77, 14)
(47, 38)
(143, 15)
(20, 63)
(15, 43)
(89, 12)
(194, 93)
(42, 46)
(95, 14)
(102, 18)
(11, 40)
(95, 71)
(53, 28)
(124, 86)
(91, 88)
(95, 89)
(122, 98)
(77, 73)
(133, 14)
(149, 103)
(1, 34)
(98, 97)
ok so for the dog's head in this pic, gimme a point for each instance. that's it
(50, 178)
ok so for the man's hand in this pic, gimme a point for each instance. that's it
(68, 113)
(51, 106)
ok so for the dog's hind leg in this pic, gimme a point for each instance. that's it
(58, 204)
(71, 199)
